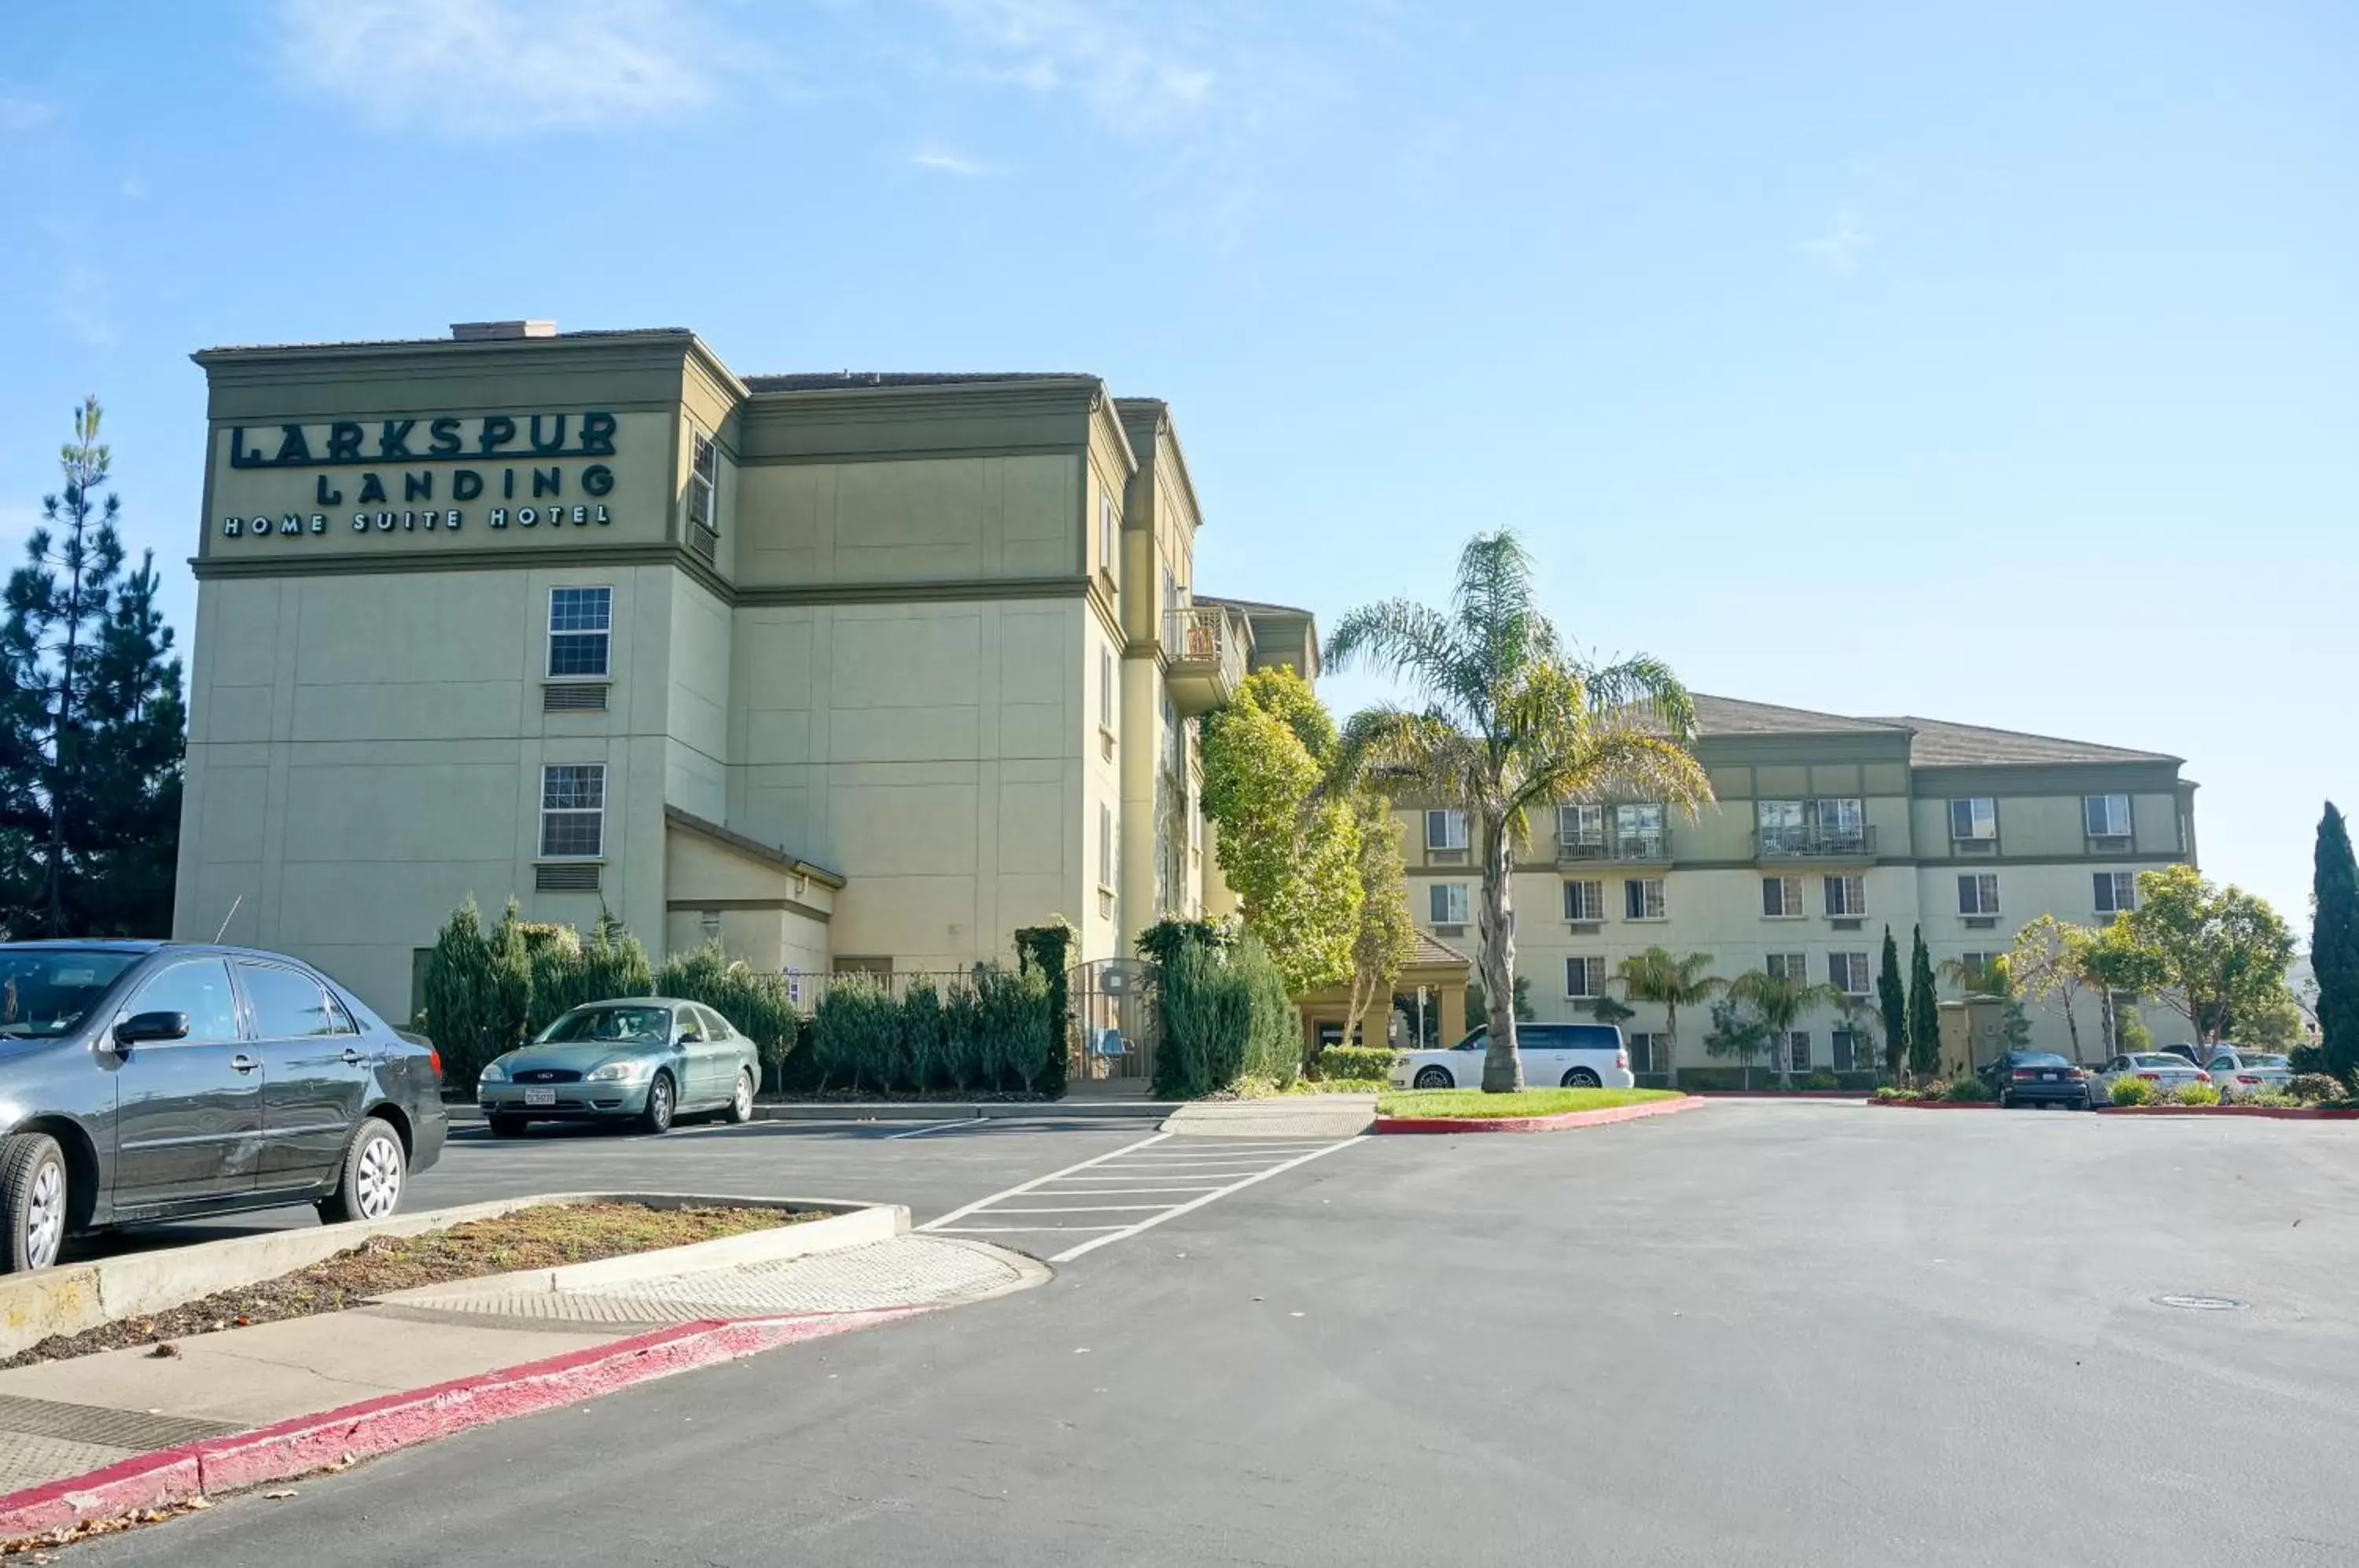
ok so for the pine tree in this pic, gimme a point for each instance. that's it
(135, 731)
(2334, 945)
(1924, 1013)
(1892, 1001)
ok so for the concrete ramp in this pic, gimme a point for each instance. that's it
(1280, 1116)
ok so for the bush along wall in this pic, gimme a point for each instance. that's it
(1226, 1019)
(986, 1033)
(1047, 950)
(752, 1000)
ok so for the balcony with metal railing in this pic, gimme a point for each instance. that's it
(1853, 842)
(1206, 646)
(1615, 847)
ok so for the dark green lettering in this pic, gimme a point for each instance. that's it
(498, 430)
(393, 441)
(597, 435)
(546, 481)
(548, 443)
(325, 496)
(446, 437)
(292, 446)
(343, 441)
(597, 479)
(371, 489)
(418, 487)
(466, 484)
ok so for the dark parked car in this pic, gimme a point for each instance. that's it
(2040, 1078)
(149, 1081)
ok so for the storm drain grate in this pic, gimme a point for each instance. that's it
(2203, 1304)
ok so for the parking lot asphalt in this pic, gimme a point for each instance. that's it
(1758, 1334)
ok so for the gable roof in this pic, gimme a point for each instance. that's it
(1939, 743)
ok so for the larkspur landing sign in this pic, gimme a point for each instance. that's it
(530, 464)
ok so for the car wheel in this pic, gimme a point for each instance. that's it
(1435, 1078)
(740, 1104)
(508, 1126)
(1578, 1078)
(661, 1102)
(375, 1172)
(33, 1202)
(2006, 1101)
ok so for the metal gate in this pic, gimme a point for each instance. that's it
(1120, 1016)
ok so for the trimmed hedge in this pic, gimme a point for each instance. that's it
(988, 1033)
(1759, 1079)
(754, 1002)
(2131, 1092)
(1357, 1062)
(1225, 1019)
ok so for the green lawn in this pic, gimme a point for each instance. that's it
(1530, 1103)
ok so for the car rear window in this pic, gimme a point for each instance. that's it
(2264, 1062)
(1569, 1037)
(2039, 1059)
(2160, 1061)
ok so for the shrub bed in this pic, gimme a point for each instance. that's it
(1948, 1092)
(1226, 1019)
(1355, 1061)
(990, 1033)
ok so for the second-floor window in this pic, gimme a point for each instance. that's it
(1846, 895)
(2116, 892)
(1639, 828)
(1794, 966)
(1446, 903)
(1585, 900)
(704, 485)
(1445, 829)
(581, 632)
(1642, 899)
(1978, 895)
(1581, 827)
(1584, 976)
(1847, 972)
(1974, 819)
(1781, 897)
(573, 810)
(2107, 816)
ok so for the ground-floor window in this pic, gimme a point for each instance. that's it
(1850, 1053)
(573, 810)
(1649, 1053)
(1798, 1051)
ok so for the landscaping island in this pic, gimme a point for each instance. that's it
(1526, 1110)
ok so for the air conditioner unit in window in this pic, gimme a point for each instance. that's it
(1982, 923)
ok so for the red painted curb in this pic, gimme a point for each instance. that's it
(305, 1443)
(2280, 1113)
(1937, 1105)
(1535, 1124)
(1774, 1094)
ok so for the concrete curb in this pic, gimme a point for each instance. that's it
(988, 1110)
(360, 1431)
(83, 1295)
(2278, 1113)
(1536, 1124)
(1936, 1104)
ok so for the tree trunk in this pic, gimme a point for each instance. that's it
(1778, 1058)
(2072, 1024)
(1503, 1070)
(1670, 1067)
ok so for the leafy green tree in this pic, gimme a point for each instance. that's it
(1383, 938)
(1290, 851)
(1608, 1010)
(2050, 964)
(2218, 951)
(1512, 724)
(1478, 1002)
(1781, 1002)
(1892, 1007)
(90, 720)
(2272, 1023)
(1670, 981)
(1737, 1030)
(2334, 945)
(1924, 1013)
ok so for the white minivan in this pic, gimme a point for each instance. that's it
(1571, 1056)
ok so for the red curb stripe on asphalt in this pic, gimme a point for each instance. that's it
(308, 1443)
(1535, 1124)
(1936, 1104)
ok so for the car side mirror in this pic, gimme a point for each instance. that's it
(141, 1027)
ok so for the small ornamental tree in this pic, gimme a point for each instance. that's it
(1924, 1013)
(1892, 1006)
(1383, 939)
(2334, 945)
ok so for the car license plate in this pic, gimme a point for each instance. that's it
(2047, 1078)
(541, 1096)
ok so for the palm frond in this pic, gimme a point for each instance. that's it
(1617, 760)
(1421, 752)
(1402, 637)
(1498, 613)
(1643, 687)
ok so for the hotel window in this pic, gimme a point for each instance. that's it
(1445, 829)
(704, 485)
(1445, 904)
(1781, 897)
(1791, 967)
(1850, 1051)
(1650, 1053)
(1581, 827)
(1798, 1051)
(1584, 976)
(2116, 892)
(2107, 816)
(1973, 820)
(1639, 830)
(1642, 899)
(1976, 967)
(573, 810)
(1106, 687)
(1585, 900)
(1105, 532)
(1978, 893)
(1846, 895)
(1847, 972)
(580, 628)
(1105, 846)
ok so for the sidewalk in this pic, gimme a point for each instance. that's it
(128, 1429)
(1279, 1115)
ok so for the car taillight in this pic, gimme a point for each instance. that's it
(2076, 1074)
(2025, 1073)
(1622, 1059)
(434, 1060)
(2247, 1078)
(2151, 1077)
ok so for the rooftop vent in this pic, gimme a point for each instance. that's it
(489, 332)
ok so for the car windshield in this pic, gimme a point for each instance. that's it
(2039, 1059)
(609, 1024)
(46, 991)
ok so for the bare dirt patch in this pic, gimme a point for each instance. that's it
(549, 1236)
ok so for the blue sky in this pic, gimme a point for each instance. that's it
(2000, 364)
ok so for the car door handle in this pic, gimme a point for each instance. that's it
(351, 1058)
(244, 1064)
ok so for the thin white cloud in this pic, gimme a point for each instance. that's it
(499, 67)
(942, 161)
(1840, 246)
(21, 113)
(1137, 72)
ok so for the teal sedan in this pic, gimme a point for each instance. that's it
(643, 1060)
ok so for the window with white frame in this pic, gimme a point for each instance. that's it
(2116, 892)
(1794, 966)
(1105, 532)
(1106, 687)
(1105, 845)
(581, 630)
(1846, 895)
(2107, 816)
(1798, 1051)
(1650, 1053)
(1781, 897)
(1584, 976)
(1642, 899)
(1638, 829)
(573, 810)
(1974, 819)
(1581, 827)
(1847, 972)
(1978, 893)
(1976, 967)
(1445, 829)
(704, 483)
(1585, 900)
(1445, 903)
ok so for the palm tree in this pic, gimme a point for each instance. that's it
(1782, 1001)
(1511, 723)
(1670, 982)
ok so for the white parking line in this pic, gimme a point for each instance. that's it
(936, 1126)
(1009, 1229)
(943, 1223)
(1072, 1252)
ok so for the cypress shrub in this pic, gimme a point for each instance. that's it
(1273, 1038)
(918, 1039)
(1049, 948)
(458, 1002)
(853, 1026)
(754, 1002)
(1012, 1026)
